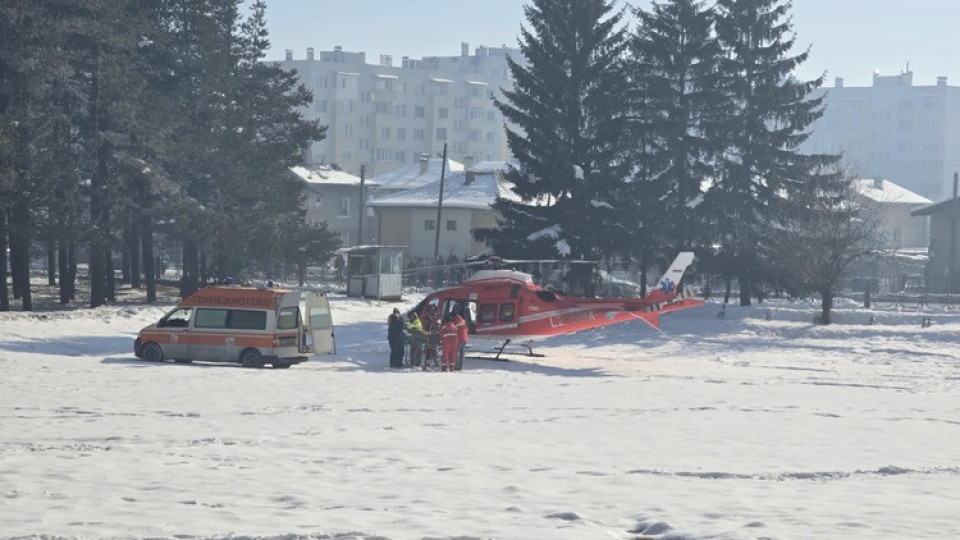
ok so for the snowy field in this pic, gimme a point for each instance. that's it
(733, 428)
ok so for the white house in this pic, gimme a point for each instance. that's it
(894, 204)
(409, 217)
(333, 196)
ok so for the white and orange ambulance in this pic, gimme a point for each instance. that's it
(251, 326)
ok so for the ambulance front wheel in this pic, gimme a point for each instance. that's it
(251, 358)
(152, 353)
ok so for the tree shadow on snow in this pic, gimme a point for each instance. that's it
(71, 345)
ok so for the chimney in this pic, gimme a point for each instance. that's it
(464, 48)
(405, 61)
(386, 60)
(337, 48)
(468, 162)
(941, 81)
(424, 163)
(471, 177)
(309, 53)
(838, 82)
(289, 55)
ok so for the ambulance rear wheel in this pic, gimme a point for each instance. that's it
(251, 358)
(152, 353)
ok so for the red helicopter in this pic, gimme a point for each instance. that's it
(506, 306)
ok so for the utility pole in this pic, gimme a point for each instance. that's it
(363, 174)
(443, 169)
(952, 269)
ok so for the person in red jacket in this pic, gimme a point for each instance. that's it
(449, 341)
(463, 332)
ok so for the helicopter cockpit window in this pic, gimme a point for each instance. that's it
(487, 313)
(506, 312)
(546, 296)
(514, 291)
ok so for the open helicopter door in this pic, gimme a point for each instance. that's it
(318, 324)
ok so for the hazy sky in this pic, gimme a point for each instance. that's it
(849, 38)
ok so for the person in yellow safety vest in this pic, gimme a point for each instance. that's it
(415, 329)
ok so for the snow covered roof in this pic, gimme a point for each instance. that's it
(490, 166)
(325, 175)
(477, 195)
(411, 176)
(885, 191)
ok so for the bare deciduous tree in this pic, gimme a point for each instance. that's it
(812, 250)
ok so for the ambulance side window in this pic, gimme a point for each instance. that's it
(287, 319)
(248, 320)
(179, 318)
(211, 318)
(487, 313)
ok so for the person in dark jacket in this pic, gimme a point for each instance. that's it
(395, 338)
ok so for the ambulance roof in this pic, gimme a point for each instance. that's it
(236, 297)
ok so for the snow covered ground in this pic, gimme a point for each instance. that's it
(741, 427)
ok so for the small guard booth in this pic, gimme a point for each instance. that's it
(375, 272)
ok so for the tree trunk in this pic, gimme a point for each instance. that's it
(99, 213)
(745, 289)
(110, 292)
(51, 263)
(726, 295)
(826, 297)
(188, 279)
(202, 268)
(133, 248)
(149, 272)
(20, 253)
(4, 292)
(63, 263)
(125, 252)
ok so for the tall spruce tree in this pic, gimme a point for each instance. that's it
(567, 131)
(761, 172)
(675, 63)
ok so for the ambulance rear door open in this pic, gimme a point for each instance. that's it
(318, 324)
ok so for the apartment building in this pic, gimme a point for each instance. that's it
(386, 116)
(906, 133)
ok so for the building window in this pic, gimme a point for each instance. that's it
(401, 133)
(418, 134)
(451, 224)
(441, 134)
(344, 210)
(429, 225)
(386, 133)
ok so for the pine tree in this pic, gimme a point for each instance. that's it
(675, 63)
(761, 172)
(567, 131)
